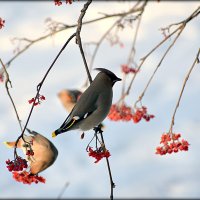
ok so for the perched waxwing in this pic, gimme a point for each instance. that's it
(93, 105)
(69, 98)
(45, 153)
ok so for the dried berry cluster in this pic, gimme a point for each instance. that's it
(125, 113)
(98, 154)
(38, 100)
(27, 178)
(171, 144)
(126, 69)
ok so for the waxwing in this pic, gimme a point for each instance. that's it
(93, 105)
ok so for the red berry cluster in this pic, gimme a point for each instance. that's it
(59, 2)
(27, 178)
(98, 154)
(29, 152)
(1, 23)
(171, 144)
(126, 69)
(38, 100)
(122, 112)
(141, 113)
(16, 165)
(125, 113)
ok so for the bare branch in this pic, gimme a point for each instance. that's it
(98, 43)
(39, 88)
(78, 41)
(112, 184)
(78, 37)
(65, 27)
(196, 61)
(159, 64)
(8, 81)
(182, 25)
(132, 52)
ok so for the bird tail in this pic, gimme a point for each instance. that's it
(58, 131)
(64, 128)
(12, 144)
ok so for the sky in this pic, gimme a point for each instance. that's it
(137, 171)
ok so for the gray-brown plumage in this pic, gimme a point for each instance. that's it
(69, 98)
(94, 104)
(45, 153)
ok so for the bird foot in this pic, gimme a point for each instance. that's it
(98, 129)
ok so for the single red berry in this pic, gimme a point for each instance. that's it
(42, 97)
(31, 100)
(58, 2)
(2, 22)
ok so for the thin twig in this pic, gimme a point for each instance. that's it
(196, 61)
(112, 184)
(159, 64)
(66, 27)
(132, 52)
(143, 60)
(131, 56)
(78, 41)
(63, 190)
(8, 81)
(193, 15)
(98, 44)
(78, 37)
(184, 23)
(39, 88)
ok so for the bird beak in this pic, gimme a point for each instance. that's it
(117, 79)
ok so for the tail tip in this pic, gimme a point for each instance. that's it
(7, 144)
(53, 134)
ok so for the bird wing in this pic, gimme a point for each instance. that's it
(85, 106)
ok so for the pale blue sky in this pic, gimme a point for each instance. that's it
(137, 171)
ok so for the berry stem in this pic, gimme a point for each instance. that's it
(112, 184)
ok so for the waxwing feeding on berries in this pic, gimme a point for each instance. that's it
(69, 98)
(94, 104)
(44, 152)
